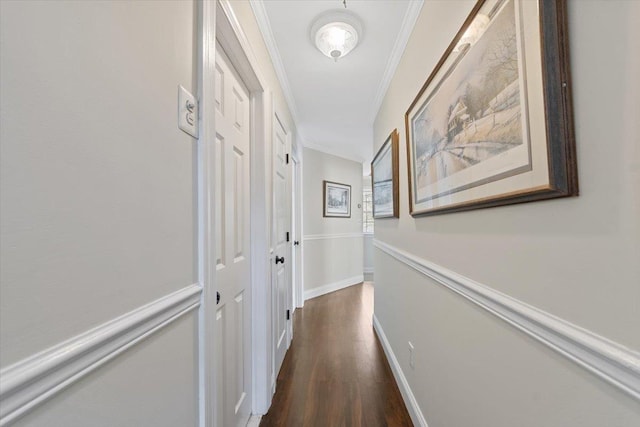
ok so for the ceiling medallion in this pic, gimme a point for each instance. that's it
(336, 33)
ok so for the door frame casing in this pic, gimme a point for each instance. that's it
(296, 218)
(217, 22)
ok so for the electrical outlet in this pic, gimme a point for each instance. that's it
(411, 358)
(187, 112)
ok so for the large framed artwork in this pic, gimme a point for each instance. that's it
(493, 124)
(384, 179)
(337, 199)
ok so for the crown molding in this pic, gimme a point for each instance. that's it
(267, 34)
(406, 28)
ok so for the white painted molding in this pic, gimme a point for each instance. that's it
(205, 189)
(31, 381)
(406, 28)
(407, 395)
(330, 236)
(267, 34)
(368, 270)
(234, 41)
(612, 362)
(332, 287)
(254, 421)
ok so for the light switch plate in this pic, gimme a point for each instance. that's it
(187, 112)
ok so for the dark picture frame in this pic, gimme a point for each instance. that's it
(493, 123)
(384, 179)
(336, 200)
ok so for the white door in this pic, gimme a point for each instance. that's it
(282, 258)
(233, 269)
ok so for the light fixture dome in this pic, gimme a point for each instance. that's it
(335, 34)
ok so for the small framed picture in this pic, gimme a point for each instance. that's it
(337, 199)
(384, 179)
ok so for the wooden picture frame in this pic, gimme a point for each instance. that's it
(336, 200)
(385, 185)
(492, 125)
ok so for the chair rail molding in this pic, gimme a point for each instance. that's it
(610, 361)
(331, 236)
(33, 380)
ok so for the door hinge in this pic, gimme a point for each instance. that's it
(287, 158)
(287, 236)
(288, 314)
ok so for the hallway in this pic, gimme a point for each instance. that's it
(336, 373)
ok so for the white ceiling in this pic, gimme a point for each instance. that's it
(334, 103)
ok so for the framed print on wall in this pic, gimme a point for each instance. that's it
(337, 199)
(493, 124)
(384, 179)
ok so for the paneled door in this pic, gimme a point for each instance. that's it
(232, 228)
(282, 257)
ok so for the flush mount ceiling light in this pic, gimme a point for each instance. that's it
(335, 34)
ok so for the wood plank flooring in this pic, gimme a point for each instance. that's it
(335, 373)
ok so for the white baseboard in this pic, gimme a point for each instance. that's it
(332, 287)
(368, 270)
(407, 395)
(254, 421)
(611, 361)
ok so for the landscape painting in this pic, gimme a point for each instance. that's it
(469, 125)
(384, 177)
(337, 199)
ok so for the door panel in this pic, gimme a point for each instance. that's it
(281, 288)
(233, 269)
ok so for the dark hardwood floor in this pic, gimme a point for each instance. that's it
(335, 372)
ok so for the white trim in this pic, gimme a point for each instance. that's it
(206, 246)
(300, 302)
(331, 236)
(614, 363)
(368, 270)
(31, 381)
(254, 421)
(237, 47)
(407, 395)
(267, 34)
(406, 28)
(297, 253)
(332, 287)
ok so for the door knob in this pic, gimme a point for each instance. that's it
(296, 243)
(279, 259)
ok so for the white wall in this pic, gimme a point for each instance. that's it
(367, 241)
(98, 205)
(332, 246)
(576, 258)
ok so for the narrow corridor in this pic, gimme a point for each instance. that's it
(336, 372)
